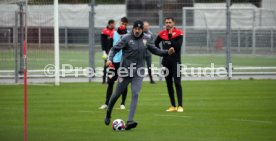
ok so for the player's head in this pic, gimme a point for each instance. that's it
(122, 29)
(169, 22)
(138, 28)
(111, 23)
(146, 26)
(124, 22)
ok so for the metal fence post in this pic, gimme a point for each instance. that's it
(160, 15)
(66, 37)
(21, 61)
(271, 40)
(15, 43)
(39, 36)
(254, 33)
(207, 34)
(91, 39)
(184, 30)
(239, 39)
(228, 39)
(9, 38)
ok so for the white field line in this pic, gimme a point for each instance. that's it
(9, 108)
(95, 112)
(40, 84)
(252, 121)
(242, 120)
(86, 111)
(159, 115)
(101, 110)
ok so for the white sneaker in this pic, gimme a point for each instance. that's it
(122, 107)
(103, 107)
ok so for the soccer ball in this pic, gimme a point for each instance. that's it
(118, 125)
(104, 57)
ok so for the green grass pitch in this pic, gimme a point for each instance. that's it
(242, 110)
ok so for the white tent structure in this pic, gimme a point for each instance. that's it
(244, 15)
(71, 16)
(269, 4)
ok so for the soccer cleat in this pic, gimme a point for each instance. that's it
(107, 120)
(122, 107)
(103, 107)
(171, 109)
(130, 125)
(152, 82)
(180, 109)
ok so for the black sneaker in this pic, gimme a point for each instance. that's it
(152, 82)
(131, 124)
(107, 120)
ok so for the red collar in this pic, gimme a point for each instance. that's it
(164, 34)
(109, 32)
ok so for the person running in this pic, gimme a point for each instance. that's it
(172, 37)
(133, 46)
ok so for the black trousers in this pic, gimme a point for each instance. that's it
(173, 78)
(111, 81)
(104, 72)
(148, 62)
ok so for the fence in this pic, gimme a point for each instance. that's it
(249, 31)
(204, 23)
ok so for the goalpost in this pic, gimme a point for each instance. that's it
(57, 60)
(56, 42)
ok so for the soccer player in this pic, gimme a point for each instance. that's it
(133, 46)
(122, 30)
(107, 43)
(172, 37)
(148, 53)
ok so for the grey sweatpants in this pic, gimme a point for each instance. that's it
(122, 83)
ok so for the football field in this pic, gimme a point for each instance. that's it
(243, 110)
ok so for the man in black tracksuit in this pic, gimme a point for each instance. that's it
(107, 42)
(172, 37)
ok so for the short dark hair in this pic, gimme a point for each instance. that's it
(111, 21)
(124, 20)
(169, 18)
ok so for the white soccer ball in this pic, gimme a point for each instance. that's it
(118, 125)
